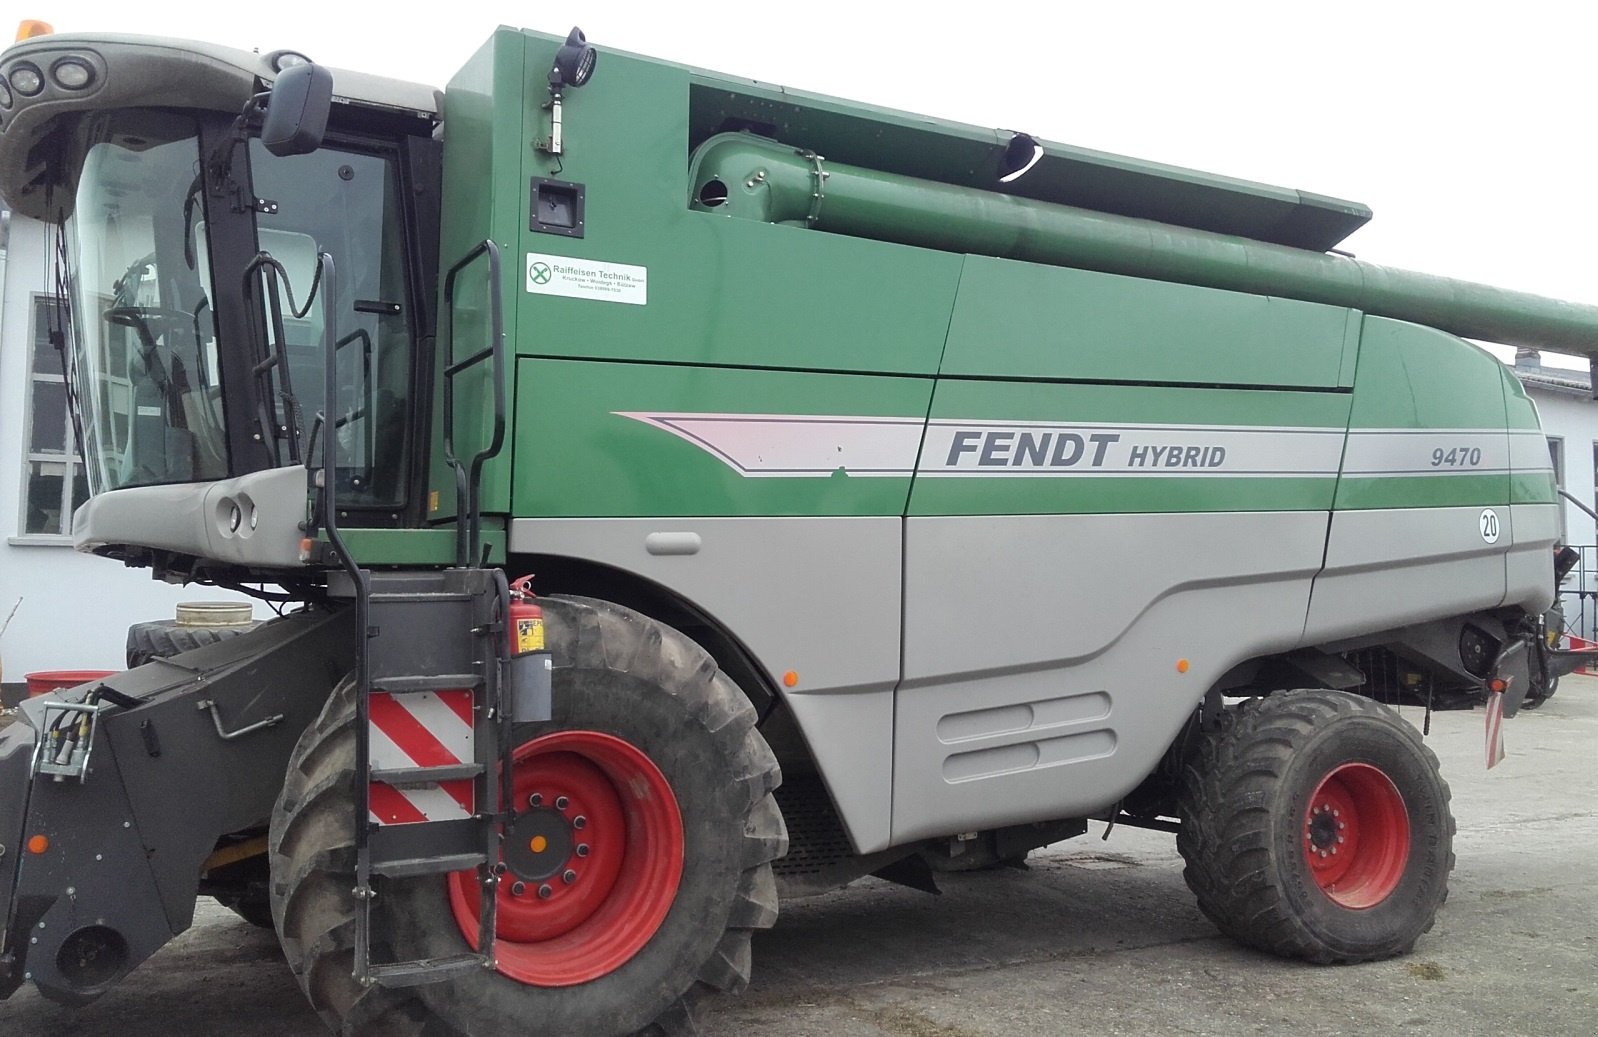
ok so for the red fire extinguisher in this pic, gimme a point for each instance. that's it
(526, 617)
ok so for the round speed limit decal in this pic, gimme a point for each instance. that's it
(1489, 525)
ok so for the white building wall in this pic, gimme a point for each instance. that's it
(75, 609)
(1573, 418)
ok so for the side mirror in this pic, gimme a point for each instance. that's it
(297, 110)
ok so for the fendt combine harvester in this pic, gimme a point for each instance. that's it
(964, 487)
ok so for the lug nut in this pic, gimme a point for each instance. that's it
(579, 821)
(561, 803)
(545, 892)
(569, 877)
(535, 800)
(518, 888)
(582, 849)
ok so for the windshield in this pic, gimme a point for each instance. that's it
(140, 297)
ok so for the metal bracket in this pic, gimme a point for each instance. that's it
(63, 752)
(227, 736)
(820, 193)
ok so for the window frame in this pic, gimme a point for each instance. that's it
(39, 306)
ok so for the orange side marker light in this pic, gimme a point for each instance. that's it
(790, 679)
(1181, 665)
(39, 844)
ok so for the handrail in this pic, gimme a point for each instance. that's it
(468, 477)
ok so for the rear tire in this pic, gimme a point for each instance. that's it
(1315, 825)
(621, 675)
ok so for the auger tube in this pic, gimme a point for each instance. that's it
(740, 175)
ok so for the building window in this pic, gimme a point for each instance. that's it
(53, 480)
(1556, 454)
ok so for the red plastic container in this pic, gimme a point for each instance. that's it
(46, 681)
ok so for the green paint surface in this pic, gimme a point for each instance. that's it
(1413, 377)
(576, 457)
(1020, 320)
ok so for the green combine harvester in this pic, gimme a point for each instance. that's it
(898, 496)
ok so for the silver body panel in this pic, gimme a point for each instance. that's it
(820, 597)
(1043, 672)
(198, 518)
(1398, 567)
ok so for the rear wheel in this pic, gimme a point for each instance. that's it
(638, 866)
(1315, 825)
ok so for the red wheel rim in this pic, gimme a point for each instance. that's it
(1356, 835)
(602, 860)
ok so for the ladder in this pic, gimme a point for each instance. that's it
(433, 734)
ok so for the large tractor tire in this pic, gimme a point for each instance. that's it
(1315, 825)
(165, 638)
(655, 892)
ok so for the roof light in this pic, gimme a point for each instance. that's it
(574, 62)
(26, 80)
(32, 27)
(72, 73)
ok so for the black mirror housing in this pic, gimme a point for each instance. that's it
(297, 110)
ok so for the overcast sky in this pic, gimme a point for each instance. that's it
(1466, 127)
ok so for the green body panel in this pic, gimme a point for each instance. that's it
(1526, 487)
(1018, 320)
(909, 308)
(575, 456)
(420, 547)
(1416, 378)
(482, 149)
(963, 400)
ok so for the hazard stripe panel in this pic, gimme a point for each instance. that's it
(431, 729)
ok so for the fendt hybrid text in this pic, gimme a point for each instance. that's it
(899, 496)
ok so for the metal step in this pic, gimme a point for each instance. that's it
(400, 776)
(415, 684)
(390, 597)
(411, 867)
(425, 970)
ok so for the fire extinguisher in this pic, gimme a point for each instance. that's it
(526, 617)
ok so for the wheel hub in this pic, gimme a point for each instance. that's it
(1356, 835)
(539, 844)
(594, 860)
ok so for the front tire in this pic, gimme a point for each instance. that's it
(631, 697)
(1315, 825)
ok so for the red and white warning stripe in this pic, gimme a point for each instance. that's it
(430, 729)
(1495, 729)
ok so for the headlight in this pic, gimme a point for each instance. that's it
(27, 80)
(72, 73)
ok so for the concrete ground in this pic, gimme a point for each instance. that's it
(1094, 937)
